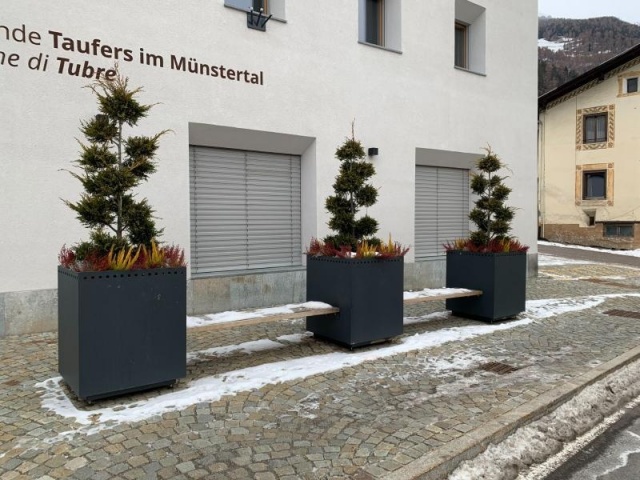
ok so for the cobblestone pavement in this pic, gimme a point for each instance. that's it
(362, 421)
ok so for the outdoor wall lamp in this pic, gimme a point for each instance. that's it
(373, 151)
(257, 21)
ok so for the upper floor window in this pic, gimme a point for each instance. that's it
(628, 83)
(595, 128)
(379, 23)
(374, 13)
(461, 46)
(470, 36)
(261, 5)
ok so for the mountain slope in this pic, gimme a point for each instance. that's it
(570, 47)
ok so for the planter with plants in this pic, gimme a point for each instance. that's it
(121, 296)
(352, 269)
(489, 260)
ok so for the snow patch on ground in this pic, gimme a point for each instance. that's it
(233, 315)
(427, 318)
(210, 389)
(547, 436)
(552, 261)
(213, 388)
(295, 338)
(433, 292)
(628, 253)
(247, 348)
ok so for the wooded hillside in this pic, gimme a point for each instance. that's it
(587, 43)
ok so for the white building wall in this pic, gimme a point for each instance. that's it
(317, 79)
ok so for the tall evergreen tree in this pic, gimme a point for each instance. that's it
(491, 216)
(112, 165)
(351, 193)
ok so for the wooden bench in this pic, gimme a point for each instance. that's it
(428, 296)
(297, 312)
(410, 298)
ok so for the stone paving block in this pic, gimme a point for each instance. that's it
(370, 419)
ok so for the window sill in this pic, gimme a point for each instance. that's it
(470, 71)
(594, 202)
(379, 47)
(594, 145)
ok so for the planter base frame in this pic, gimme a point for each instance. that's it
(502, 278)
(368, 293)
(121, 332)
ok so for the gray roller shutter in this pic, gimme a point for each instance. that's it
(442, 208)
(245, 211)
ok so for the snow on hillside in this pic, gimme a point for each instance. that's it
(553, 46)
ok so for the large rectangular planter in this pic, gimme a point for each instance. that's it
(121, 331)
(502, 277)
(368, 293)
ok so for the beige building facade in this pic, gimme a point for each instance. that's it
(589, 157)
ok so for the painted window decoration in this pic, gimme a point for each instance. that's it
(461, 45)
(628, 83)
(594, 185)
(374, 21)
(618, 230)
(595, 128)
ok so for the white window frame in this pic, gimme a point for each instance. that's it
(474, 17)
(464, 28)
(390, 27)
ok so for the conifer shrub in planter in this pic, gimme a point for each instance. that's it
(489, 260)
(121, 296)
(352, 269)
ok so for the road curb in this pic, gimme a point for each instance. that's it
(443, 460)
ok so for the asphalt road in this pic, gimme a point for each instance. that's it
(614, 455)
(579, 254)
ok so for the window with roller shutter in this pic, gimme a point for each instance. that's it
(245, 211)
(441, 210)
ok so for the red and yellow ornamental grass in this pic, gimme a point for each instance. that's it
(132, 258)
(495, 245)
(364, 249)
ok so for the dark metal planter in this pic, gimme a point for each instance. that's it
(121, 332)
(368, 293)
(502, 277)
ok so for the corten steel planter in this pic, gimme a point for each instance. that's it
(502, 277)
(121, 331)
(368, 293)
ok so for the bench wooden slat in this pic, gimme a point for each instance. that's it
(312, 312)
(443, 296)
(296, 313)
